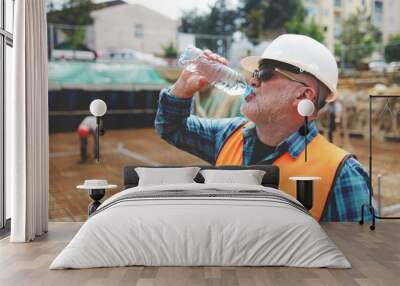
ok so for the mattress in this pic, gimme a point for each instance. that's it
(201, 225)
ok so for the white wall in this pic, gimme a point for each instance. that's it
(114, 27)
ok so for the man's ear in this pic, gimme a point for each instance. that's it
(306, 93)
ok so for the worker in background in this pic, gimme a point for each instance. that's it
(86, 128)
(334, 110)
(291, 69)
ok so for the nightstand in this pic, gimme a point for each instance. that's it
(96, 190)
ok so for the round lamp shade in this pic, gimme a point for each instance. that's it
(305, 107)
(98, 107)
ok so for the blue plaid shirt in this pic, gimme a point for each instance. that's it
(204, 137)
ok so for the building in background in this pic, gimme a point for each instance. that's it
(330, 14)
(132, 26)
(391, 19)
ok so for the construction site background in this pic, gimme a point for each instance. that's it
(142, 146)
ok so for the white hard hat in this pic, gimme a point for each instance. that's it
(303, 52)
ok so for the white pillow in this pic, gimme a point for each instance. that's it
(163, 176)
(248, 177)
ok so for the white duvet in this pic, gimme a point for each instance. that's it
(183, 231)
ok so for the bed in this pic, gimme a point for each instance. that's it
(201, 224)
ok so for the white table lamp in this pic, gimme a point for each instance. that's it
(98, 108)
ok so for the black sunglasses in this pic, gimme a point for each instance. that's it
(263, 74)
(266, 74)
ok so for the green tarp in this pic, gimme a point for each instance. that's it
(104, 76)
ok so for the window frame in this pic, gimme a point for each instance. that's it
(6, 39)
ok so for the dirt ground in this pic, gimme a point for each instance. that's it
(118, 149)
(144, 147)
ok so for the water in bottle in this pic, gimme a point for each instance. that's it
(217, 74)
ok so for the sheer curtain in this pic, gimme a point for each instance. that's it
(27, 124)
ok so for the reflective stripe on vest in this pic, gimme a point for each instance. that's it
(333, 156)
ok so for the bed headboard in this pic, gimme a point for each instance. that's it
(270, 179)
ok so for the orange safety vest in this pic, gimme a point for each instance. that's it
(323, 160)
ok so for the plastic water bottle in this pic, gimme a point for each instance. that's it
(217, 74)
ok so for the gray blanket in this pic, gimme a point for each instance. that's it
(202, 194)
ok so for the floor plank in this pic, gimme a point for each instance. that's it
(374, 255)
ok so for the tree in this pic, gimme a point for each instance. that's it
(192, 22)
(299, 25)
(358, 39)
(219, 21)
(261, 18)
(76, 14)
(73, 12)
(392, 49)
(170, 50)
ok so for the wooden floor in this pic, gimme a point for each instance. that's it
(374, 255)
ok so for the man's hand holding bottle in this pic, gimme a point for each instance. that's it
(190, 82)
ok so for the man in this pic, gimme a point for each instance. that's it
(334, 110)
(292, 68)
(85, 128)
